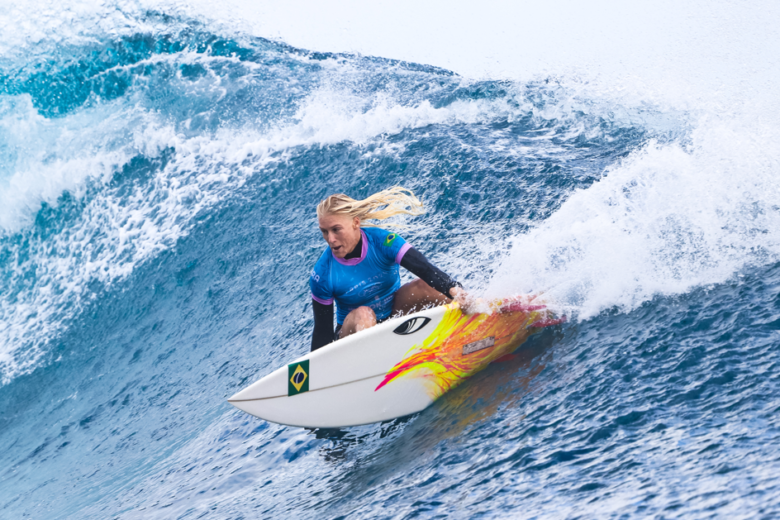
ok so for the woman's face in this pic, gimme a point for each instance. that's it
(341, 232)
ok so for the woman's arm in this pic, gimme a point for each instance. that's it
(323, 325)
(418, 265)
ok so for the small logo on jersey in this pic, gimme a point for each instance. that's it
(299, 378)
(412, 326)
(390, 239)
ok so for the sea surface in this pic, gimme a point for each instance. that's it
(158, 179)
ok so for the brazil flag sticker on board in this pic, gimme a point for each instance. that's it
(298, 378)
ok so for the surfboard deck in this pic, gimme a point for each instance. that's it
(393, 369)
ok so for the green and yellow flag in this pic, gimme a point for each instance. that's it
(298, 378)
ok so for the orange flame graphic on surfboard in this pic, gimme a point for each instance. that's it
(463, 344)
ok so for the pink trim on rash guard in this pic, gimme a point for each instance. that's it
(400, 256)
(354, 261)
(320, 300)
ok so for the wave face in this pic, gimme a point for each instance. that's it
(157, 184)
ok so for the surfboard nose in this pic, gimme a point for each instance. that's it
(272, 385)
(241, 405)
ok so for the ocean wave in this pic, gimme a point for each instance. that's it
(158, 178)
(111, 154)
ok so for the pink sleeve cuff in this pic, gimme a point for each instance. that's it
(401, 253)
(320, 300)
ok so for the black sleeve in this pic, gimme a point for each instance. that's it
(323, 325)
(418, 265)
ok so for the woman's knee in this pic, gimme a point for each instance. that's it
(365, 313)
(362, 315)
(358, 319)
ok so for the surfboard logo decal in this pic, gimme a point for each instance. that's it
(478, 345)
(412, 326)
(298, 381)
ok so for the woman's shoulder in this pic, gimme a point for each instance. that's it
(379, 234)
(319, 278)
(387, 244)
(324, 259)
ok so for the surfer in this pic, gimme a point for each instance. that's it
(359, 269)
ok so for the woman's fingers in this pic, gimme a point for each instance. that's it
(468, 303)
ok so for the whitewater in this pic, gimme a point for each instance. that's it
(159, 168)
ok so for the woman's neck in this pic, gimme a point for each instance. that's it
(357, 251)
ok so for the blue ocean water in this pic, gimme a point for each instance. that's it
(157, 194)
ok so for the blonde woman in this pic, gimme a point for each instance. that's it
(359, 269)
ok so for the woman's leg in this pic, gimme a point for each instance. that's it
(416, 295)
(359, 319)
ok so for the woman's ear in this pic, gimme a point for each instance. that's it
(355, 222)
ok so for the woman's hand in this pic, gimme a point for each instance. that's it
(467, 302)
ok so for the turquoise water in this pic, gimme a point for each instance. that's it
(157, 194)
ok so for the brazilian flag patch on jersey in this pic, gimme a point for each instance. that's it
(389, 239)
(298, 378)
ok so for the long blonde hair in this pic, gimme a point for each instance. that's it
(379, 206)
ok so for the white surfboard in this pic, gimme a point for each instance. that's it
(393, 369)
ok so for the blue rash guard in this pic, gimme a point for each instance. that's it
(371, 280)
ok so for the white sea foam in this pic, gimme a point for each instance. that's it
(42, 158)
(666, 219)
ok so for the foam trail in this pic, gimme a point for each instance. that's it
(666, 219)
